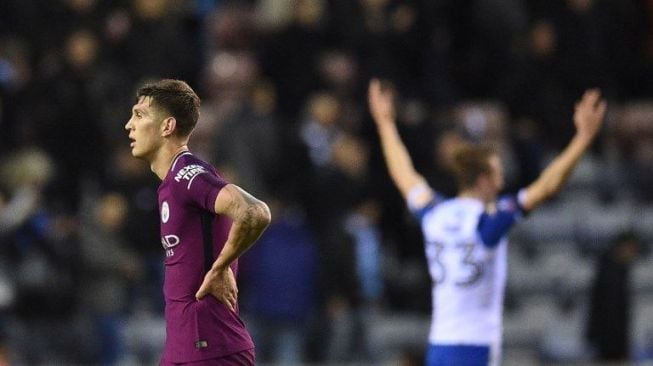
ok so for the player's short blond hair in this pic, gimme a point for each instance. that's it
(470, 161)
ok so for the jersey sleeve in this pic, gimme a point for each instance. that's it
(202, 189)
(418, 211)
(493, 227)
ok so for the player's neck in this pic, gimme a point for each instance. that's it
(474, 193)
(163, 160)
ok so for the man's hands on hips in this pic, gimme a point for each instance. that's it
(222, 285)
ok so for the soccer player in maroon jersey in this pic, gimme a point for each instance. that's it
(206, 224)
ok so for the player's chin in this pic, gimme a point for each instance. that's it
(136, 153)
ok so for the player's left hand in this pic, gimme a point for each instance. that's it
(589, 113)
(222, 285)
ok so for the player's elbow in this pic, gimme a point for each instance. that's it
(258, 216)
(264, 214)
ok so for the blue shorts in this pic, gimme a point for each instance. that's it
(457, 355)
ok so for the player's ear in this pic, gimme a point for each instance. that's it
(168, 126)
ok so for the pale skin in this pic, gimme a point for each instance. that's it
(155, 139)
(588, 119)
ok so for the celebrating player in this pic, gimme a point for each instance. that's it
(206, 224)
(465, 236)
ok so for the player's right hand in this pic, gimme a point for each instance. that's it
(381, 102)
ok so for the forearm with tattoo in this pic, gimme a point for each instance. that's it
(250, 218)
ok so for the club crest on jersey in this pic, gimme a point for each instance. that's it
(165, 212)
(189, 172)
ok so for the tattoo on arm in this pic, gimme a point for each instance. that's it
(250, 217)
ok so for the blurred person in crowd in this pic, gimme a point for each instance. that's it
(321, 127)
(534, 93)
(386, 36)
(608, 327)
(289, 56)
(42, 261)
(229, 78)
(465, 236)
(240, 129)
(351, 312)
(633, 137)
(111, 268)
(132, 179)
(338, 71)
(346, 230)
(640, 167)
(562, 340)
(153, 41)
(206, 225)
(339, 74)
(492, 26)
(582, 45)
(231, 27)
(76, 13)
(25, 174)
(280, 299)
(362, 225)
(15, 75)
(635, 63)
(72, 96)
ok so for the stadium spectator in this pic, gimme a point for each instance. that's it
(280, 277)
(609, 320)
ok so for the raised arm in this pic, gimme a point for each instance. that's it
(250, 217)
(397, 159)
(588, 118)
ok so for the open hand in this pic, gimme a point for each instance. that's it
(381, 101)
(589, 113)
(222, 285)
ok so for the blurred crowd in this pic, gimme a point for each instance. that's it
(283, 87)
